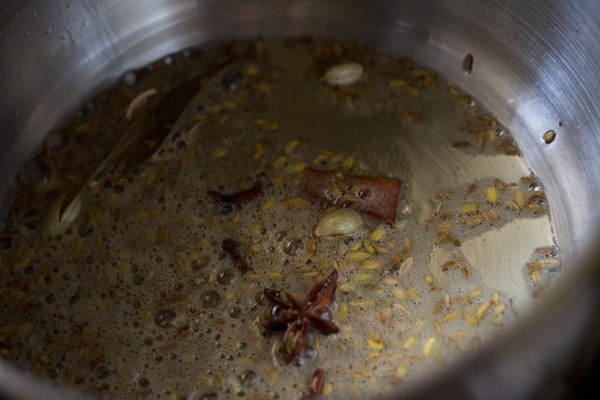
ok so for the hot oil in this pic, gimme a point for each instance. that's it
(138, 299)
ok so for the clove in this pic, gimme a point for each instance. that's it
(230, 247)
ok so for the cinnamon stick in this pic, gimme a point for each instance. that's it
(372, 195)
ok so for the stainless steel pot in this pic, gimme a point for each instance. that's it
(536, 66)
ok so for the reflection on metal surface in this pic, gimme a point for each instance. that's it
(500, 259)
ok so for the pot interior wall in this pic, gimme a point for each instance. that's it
(536, 68)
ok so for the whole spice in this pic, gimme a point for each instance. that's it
(152, 128)
(315, 389)
(297, 319)
(373, 195)
(55, 223)
(230, 247)
(467, 65)
(343, 74)
(343, 221)
(138, 103)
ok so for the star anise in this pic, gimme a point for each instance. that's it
(298, 319)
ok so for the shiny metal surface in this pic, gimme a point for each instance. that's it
(536, 66)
